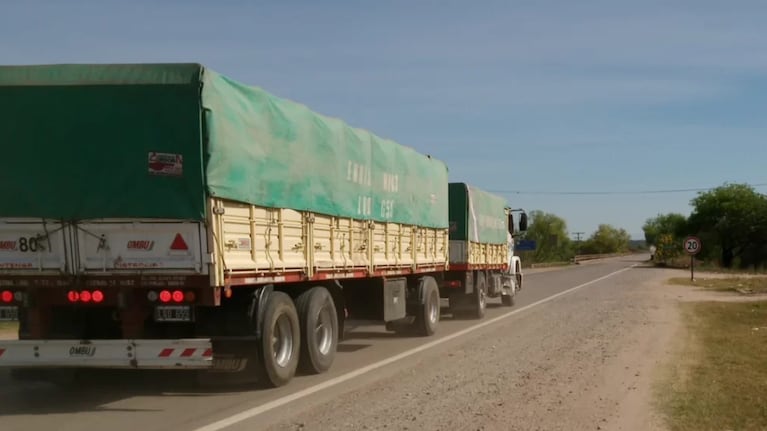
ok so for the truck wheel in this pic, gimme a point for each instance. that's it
(507, 300)
(280, 339)
(427, 317)
(479, 296)
(319, 330)
(519, 278)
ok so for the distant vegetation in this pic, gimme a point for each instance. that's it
(553, 242)
(730, 220)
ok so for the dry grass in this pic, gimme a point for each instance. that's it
(745, 285)
(725, 387)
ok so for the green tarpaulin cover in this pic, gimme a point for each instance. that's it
(477, 215)
(155, 140)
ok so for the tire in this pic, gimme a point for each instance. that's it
(519, 278)
(479, 296)
(428, 314)
(507, 300)
(280, 340)
(319, 330)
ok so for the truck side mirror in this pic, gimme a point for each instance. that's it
(523, 222)
(511, 223)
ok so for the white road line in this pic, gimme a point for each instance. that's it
(255, 411)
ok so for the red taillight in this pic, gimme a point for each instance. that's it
(85, 296)
(178, 296)
(190, 296)
(98, 296)
(6, 296)
(165, 296)
(73, 296)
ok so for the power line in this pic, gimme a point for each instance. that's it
(610, 192)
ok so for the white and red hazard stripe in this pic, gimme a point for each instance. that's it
(185, 353)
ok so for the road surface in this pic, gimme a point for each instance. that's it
(568, 355)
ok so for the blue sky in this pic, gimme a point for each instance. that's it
(533, 96)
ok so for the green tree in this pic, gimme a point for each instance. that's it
(607, 239)
(673, 224)
(549, 231)
(732, 221)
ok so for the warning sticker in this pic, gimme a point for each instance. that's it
(166, 164)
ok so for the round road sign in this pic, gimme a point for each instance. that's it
(692, 245)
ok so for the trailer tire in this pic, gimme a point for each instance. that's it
(507, 300)
(319, 330)
(428, 314)
(280, 339)
(479, 296)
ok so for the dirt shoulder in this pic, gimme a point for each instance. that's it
(586, 361)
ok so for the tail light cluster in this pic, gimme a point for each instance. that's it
(453, 283)
(171, 296)
(85, 296)
(9, 296)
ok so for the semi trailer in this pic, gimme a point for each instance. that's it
(165, 216)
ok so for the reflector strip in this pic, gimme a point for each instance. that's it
(185, 353)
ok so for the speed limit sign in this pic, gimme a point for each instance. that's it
(692, 245)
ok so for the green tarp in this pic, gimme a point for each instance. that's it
(141, 141)
(476, 215)
(276, 153)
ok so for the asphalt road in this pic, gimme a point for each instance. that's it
(158, 401)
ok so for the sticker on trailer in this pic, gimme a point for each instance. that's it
(8, 246)
(179, 247)
(141, 245)
(166, 164)
(82, 351)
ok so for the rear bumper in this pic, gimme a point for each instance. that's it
(119, 354)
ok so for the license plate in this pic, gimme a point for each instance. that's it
(9, 313)
(173, 313)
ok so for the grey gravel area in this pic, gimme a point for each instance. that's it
(581, 362)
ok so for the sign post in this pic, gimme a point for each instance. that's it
(692, 245)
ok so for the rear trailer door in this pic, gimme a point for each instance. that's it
(32, 246)
(124, 247)
(29, 248)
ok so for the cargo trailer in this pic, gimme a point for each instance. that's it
(164, 216)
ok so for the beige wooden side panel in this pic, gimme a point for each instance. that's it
(488, 254)
(262, 239)
(257, 239)
(340, 243)
(396, 245)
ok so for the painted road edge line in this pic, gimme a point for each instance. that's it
(271, 405)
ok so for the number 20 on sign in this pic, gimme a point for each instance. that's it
(692, 246)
